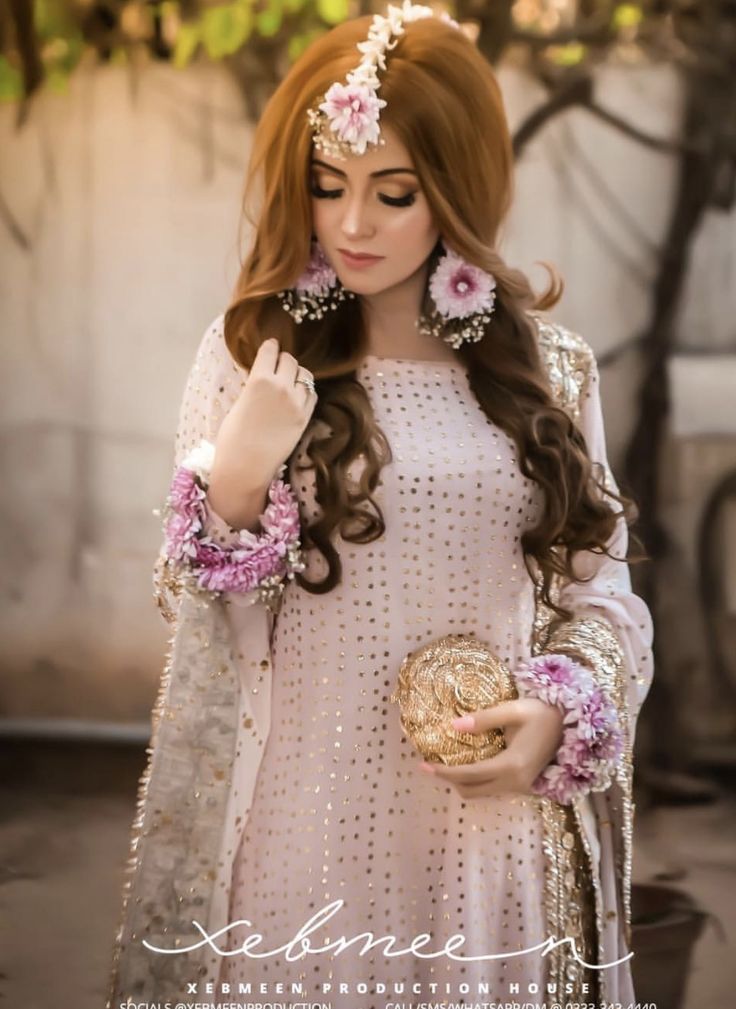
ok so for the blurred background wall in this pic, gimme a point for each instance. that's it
(125, 198)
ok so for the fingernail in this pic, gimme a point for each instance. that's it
(427, 767)
(466, 722)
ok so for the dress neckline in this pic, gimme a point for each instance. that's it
(410, 360)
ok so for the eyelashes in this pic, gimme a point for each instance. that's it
(392, 201)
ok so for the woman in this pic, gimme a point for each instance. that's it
(373, 453)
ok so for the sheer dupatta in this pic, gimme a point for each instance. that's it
(210, 723)
(611, 631)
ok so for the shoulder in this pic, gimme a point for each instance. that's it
(568, 359)
(213, 358)
(213, 338)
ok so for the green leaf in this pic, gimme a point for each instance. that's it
(47, 18)
(270, 20)
(226, 28)
(333, 11)
(569, 55)
(627, 16)
(11, 82)
(57, 82)
(187, 39)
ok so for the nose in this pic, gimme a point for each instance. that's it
(356, 221)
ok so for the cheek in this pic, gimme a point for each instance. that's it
(408, 233)
(411, 230)
(319, 217)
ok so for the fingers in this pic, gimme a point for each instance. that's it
(309, 392)
(502, 781)
(270, 359)
(504, 713)
(267, 357)
(479, 771)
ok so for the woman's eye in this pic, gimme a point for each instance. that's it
(392, 201)
(325, 194)
(398, 201)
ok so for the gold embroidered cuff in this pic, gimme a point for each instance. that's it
(593, 641)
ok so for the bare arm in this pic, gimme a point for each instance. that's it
(235, 499)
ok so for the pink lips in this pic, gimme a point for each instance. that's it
(358, 260)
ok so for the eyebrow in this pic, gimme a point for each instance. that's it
(374, 175)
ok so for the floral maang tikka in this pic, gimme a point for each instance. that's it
(346, 121)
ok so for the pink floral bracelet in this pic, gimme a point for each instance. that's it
(592, 743)
(256, 565)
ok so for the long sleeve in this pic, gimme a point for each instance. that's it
(213, 384)
(210, 723)
(611, 631)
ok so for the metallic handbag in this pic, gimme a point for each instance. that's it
(451, 676)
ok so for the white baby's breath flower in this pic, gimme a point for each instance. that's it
(413, 12)
(201, 459)
(365, 75)
(371, 47)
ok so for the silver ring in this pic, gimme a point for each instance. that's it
(309, 382)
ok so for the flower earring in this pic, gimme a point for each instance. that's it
(318, 290)
(464, 295)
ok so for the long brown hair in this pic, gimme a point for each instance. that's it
(445, 105)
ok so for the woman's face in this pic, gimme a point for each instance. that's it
(372, 203)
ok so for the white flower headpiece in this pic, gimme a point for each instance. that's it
(346, 121)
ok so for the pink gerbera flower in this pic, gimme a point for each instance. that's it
(460, 289)
(185, 492)
(318, 276)
(353, 113)
(181, 533)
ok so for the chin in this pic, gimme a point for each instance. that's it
(363, 285)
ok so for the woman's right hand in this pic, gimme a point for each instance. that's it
(268, 418)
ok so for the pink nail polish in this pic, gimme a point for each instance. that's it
(464, 723)
(427, 767)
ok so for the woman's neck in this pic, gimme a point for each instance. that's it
(390, 318)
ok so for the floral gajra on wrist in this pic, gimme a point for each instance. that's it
(256, 565)
(592, 741)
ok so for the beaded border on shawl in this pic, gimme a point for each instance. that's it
(568, 360)
(567, 887)
(177, 830)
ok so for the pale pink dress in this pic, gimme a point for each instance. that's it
(341, 809)
(281, 782)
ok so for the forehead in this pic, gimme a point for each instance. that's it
(391, 154)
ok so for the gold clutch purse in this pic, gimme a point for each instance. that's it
(449, 677)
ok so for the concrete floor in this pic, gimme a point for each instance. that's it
(692, 847)
(64, 829)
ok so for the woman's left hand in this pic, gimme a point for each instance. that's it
(533, 733)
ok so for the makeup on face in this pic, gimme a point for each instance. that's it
(320, 192)
(358, 262)
(375, 227)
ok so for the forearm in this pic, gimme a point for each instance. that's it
(239, 501)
